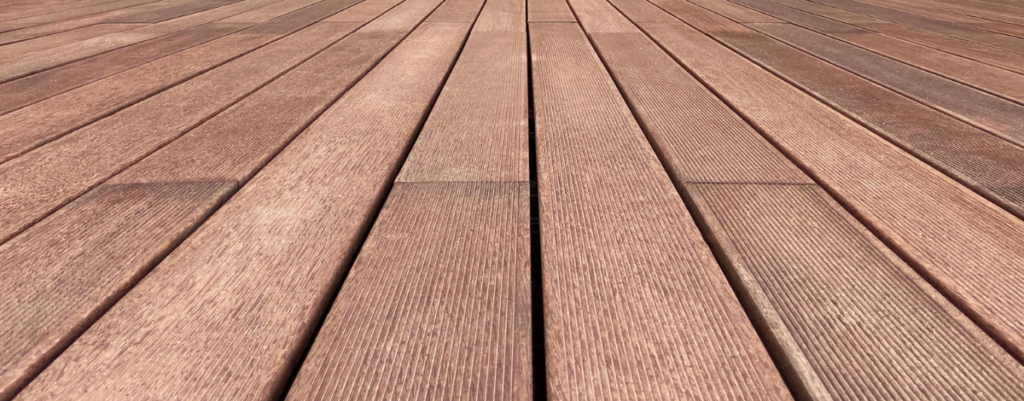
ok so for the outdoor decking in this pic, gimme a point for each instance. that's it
(512, 199)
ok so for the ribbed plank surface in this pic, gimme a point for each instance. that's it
(437, 305)
(227, 149)
(33, 88)
(635, 306)
(478, 129)
(227, 313)
(549, 11)
(966, 246)
(174, 12)
(52, 175)
(999, 116)
(834, 296)
(23, 49)
(972, 156)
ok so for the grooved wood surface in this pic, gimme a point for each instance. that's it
(979, 160)
(478, 129)
(37, 182)
(263, 268)
(836, 300)
(549, 11)
(961, 243)
(208, 155)
(999, 116)
(454, 320)
(634, 304)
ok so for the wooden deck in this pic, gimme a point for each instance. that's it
(512, 199)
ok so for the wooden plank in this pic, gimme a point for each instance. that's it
(932, 12)
(993, 114)
(226, 150)
(37, 87)
(50, 176)
(634, 304)
(31, 32)
(174, 12)
(549, 11)
(962, 244)
(264, 14)
(18, 50)
(35, 125)
(68, 53)
(479, 127)
(972, 50)
(262, 270)
(453, 243)
(437, 305)
(63, 12)
(977, 159)
(845, 312)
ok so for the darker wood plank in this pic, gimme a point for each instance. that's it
(635, 305)
(262, 270)
(174, 12)
(962, 244)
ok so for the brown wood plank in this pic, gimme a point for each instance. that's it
(964, 48)
(842, 308)
(226, 150)
(63, 12)
(453, 242)
(993, 114)
(984, 163)
(30, 32)
(174, 12)
(932, 12)
(37, 87)
(37, 124)
(50, 176)
(962, 244)
(22, 49)
(43, 60)
(635, 306)
(437, 305)
(272, 11)
(263, 269)
(549, 11)
(795, 244)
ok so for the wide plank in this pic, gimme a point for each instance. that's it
(634, 304)
(262, 270)
(90, 273)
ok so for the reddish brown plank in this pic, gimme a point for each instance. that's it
(35, 125)
(226, 150)
(30, 32)
(173, 12)
(42, 180)
(962, 244)
(262, 269)
(18, 50)
(993, 114)
(634, 304)
(984, 163)
(549, 11)
(264, 14)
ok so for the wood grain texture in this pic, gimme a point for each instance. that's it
(37, 87)
(30, 32)
(363, 11)
(231, 147)
(437, 305)
(58, 279)
(15, 51)
(40, 181)
(996, 115)
(962, 244)
(549, 11)
(271, 11)
(975, 158)
(226, 314)
(479, 127)
(635, 306)
(174, 12)
(852, 320)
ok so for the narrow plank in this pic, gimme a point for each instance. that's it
(35, 31)
(174, 12)
(797, 17)
(972, 50)
(993, 114)
(962, 244)
(227, 150)
(68, 53)
(40, 123)
(1009, 43)
(932, 12)
(792, 235)
(18, 50)
(453, 243)
(272, 11)
(437, 305)
(50, 176)
(37, 87)
(549, 11)
(63, 13)
(734, 11)
(262, 270)
(863, 323)
(980, 161)
(635, 306)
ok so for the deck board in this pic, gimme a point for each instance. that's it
(511, 199)
(268, 324)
